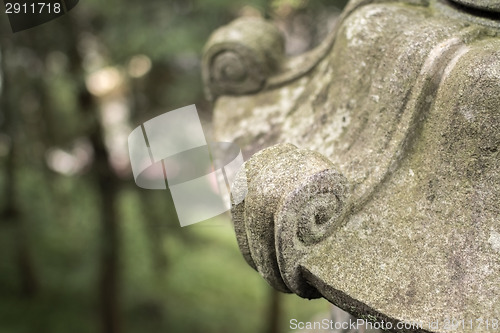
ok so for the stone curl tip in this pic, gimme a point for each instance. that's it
(295, 198)
(239, 57)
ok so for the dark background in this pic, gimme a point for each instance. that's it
(82, 249)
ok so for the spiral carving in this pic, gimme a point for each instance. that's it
(239, 57)
(315, 207)
(295, 198)
(229, 66)
(306, 216)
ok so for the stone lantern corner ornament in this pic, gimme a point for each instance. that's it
(374, 177)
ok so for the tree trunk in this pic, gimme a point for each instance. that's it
(11, 211)
(107, 186)
(274, 312)
(109, 261)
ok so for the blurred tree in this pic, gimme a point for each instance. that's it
(11, 211)
(274, 312)
(107, 186)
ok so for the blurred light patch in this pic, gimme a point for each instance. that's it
(139, 65)
(61, 161)
(70, 162)
(104, 81)
(115, 114)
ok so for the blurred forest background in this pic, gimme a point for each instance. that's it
(82, 249)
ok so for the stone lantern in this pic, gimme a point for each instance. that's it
(374, 172)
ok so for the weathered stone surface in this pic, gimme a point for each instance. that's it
(404, 103)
